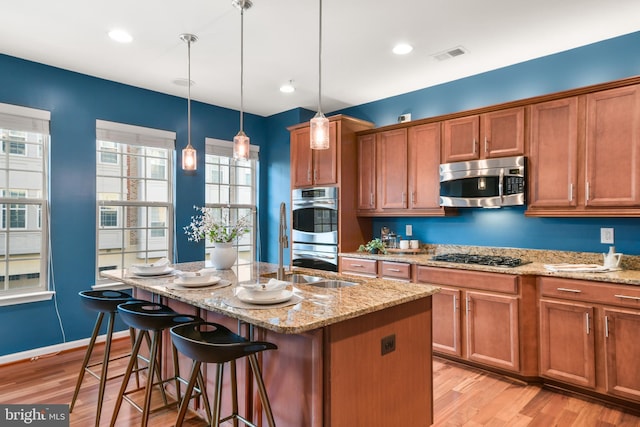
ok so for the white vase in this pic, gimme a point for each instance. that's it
(223, 256)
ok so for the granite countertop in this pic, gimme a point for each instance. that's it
(318, 308)
(536, 259)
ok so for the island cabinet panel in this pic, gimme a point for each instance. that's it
(370, 388)
(485, 318)
(589, 335)
(567, 342)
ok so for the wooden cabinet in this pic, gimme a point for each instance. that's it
(359, 266)
(313, 167)
(394, 270)
(494, 134)
(584, 155)
(485, 318)
(367, 172)
(398, 172)
(589, 335)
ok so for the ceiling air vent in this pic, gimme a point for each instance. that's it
(450, 53)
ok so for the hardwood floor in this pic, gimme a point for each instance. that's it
(463, 397)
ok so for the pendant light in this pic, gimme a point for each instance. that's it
(189, 157)
(241, 140)
(319, 124)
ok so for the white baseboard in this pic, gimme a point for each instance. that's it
(36, 353)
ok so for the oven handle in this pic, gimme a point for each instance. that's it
(313, 255)
(305, 203)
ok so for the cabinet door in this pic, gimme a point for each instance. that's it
(613, 148)
(446, 321)
(622, 349)
(461, 139)
(424, 164)
(325, 162)
(553, 148)
(503, 133)
(301, 158)
(367, 172)
(493, 330)
(567, 346)
(392, 166)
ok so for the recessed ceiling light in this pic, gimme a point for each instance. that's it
(287, 87)
(402, 48)
(121, 36)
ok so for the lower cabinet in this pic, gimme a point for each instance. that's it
(390, 270)
(589, 335)
(485, 318)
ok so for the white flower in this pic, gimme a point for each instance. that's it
(205, 225)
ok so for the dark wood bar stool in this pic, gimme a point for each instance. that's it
(104, 302)
(206, 342)
(153, 318)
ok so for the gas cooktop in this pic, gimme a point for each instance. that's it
(492, 260)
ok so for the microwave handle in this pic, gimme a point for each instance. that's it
(500, 184)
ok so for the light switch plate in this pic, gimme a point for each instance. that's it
(408, 230)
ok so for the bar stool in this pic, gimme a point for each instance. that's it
(103, 301)
(153, 318)
(206, 342)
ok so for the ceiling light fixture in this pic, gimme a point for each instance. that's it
(288, 87)
(319, 124)
(121, 36)
(402, 48)
(241, 141)
(189, 156)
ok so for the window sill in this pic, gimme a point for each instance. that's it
(25, 298)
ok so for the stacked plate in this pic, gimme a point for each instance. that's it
(196, 279)
(272, 292)
(158, 268)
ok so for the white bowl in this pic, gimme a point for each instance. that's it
(150, 269)
(194, 277)
(260, 291)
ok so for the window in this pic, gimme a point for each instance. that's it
(230, 189)
(135, 195)
(24, 231)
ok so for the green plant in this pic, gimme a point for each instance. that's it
(373, 246)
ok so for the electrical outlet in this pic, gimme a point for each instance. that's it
(606, 236)
(388, 344)
(408, 230)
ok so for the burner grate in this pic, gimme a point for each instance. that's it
(492, 260)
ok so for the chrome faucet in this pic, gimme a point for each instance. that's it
(283, 241)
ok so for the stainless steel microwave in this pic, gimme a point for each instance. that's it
(489, 183)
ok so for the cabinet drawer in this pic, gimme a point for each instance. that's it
(358, 266)
(593, 292)
(395, 270)
(506, 283)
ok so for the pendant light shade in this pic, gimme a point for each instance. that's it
(189, 156)
(319, 125)
(241, 141)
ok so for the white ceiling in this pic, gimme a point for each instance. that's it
(281, 43)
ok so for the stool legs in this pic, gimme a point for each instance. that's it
(255, 367)
(195, 377)
(87, 356)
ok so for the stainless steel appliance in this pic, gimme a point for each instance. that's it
(314, 229)
(484, 183)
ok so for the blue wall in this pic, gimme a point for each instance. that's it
(600, 62)
(76, 101)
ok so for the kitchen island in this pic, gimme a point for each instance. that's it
(357, 355)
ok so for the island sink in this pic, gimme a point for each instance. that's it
(321, 282)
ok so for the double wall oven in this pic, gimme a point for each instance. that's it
(314, 231)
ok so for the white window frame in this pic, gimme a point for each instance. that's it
(15, 119)
(150, 139)
(217, 147)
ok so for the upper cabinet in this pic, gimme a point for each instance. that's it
(398, 172)
(483, 136)
(584, 155)
(313, 167)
